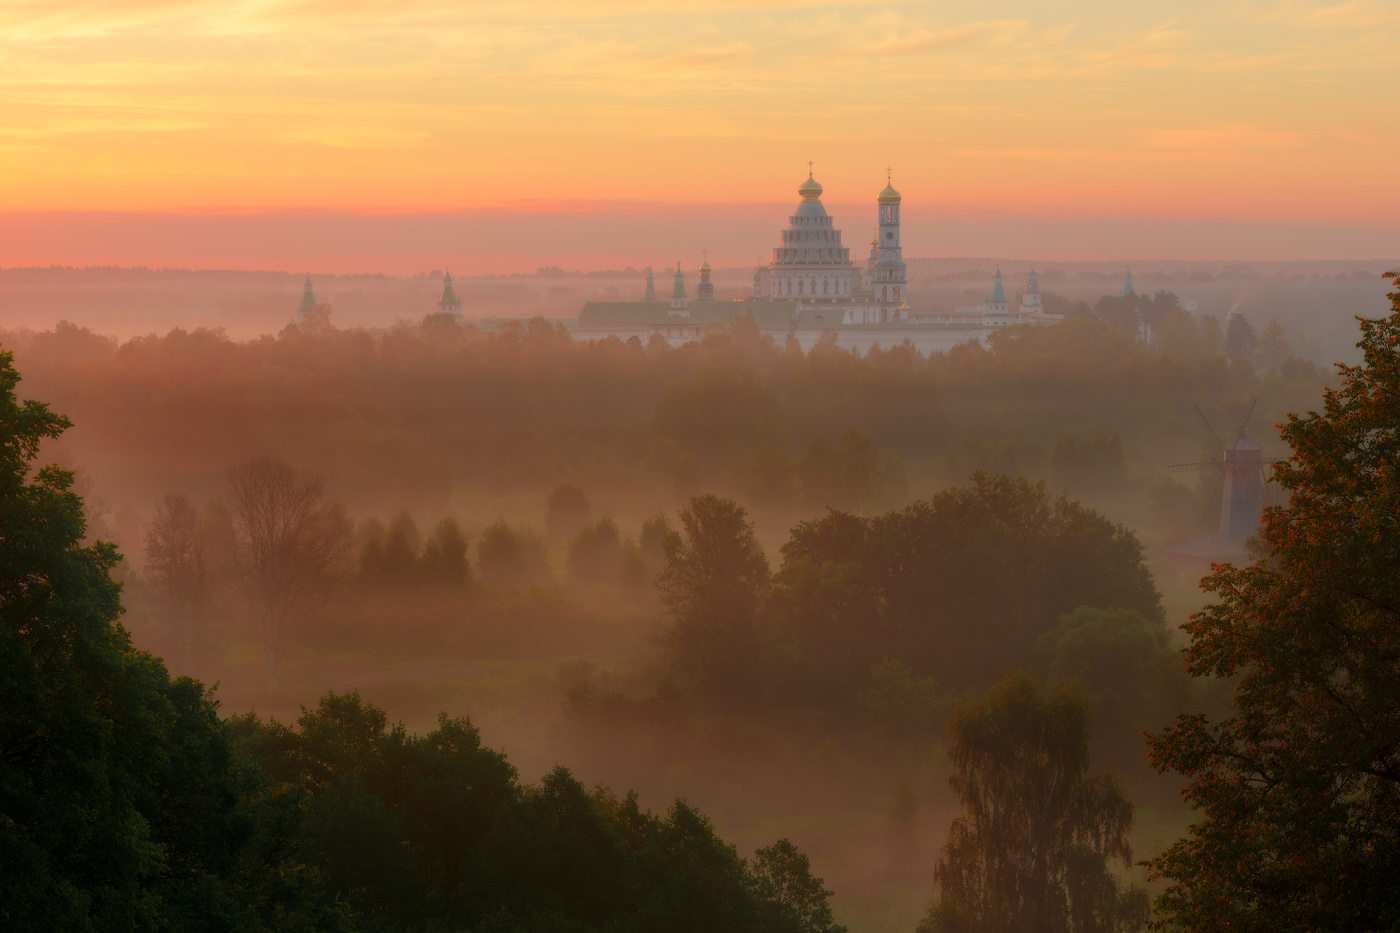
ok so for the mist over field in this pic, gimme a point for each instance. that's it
(513, 521)
(752, 467)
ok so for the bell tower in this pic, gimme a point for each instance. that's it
(705, 291)
(891, 275)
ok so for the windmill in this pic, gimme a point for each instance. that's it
(1241, 467)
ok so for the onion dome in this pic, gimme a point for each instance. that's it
(811, 189)
(889, 195)
(705, 267)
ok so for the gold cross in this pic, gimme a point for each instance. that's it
(809, 169)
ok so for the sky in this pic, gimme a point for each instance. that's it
(282, 133)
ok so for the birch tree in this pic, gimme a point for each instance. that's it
(1032, 851)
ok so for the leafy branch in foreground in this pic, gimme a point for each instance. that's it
(1299, 790)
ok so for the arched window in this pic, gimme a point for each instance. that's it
(896, 293)
(799, 287)
(884, 292)
(814, 286)
(825, 287)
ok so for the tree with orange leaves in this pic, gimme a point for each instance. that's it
(1299, 790)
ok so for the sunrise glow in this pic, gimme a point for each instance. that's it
(1246, 110)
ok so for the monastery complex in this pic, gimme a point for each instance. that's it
(811, 287)
(809, 290)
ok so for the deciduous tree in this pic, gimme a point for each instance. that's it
(290, 544)
(797, 902)
(1032, 851)
(1298, 792)
(714, 580)
(175, 562)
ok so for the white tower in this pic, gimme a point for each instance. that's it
(996, 302)
(448, 303)
(678, 296)
(891, 275)
(1030, 299)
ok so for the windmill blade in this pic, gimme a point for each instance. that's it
(1240, 433)
(1202, 415)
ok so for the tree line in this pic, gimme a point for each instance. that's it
(403, 415)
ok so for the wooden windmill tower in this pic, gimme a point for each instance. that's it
(1242, 471)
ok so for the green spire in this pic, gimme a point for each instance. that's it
(998, 293)
(650, 293)
(449, 297)
(679, 291)
(1128, 285)
(308, 298)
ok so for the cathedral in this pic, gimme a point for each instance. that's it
(811, 288)
(812, 266)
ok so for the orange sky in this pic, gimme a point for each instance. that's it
(1255, 112)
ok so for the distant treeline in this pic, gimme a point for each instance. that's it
(400, 417)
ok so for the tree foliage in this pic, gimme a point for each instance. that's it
(393, 557)
(713, 583)
(1032, 851)
(127, 804)
(960, 587)
(121, 804)
(289, 546)
(175, 563)
(1298, 791)
(434, 831)
(511, 558)
(403, 414)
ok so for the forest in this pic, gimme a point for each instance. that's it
(800, 610)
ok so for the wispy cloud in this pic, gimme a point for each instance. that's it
(1223, 137)
(1354, 15)
(383, 103)
(920, 40)
(702, 58)
(1161, 46)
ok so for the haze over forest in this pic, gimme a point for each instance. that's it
(1034, 572)
(547, 473)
